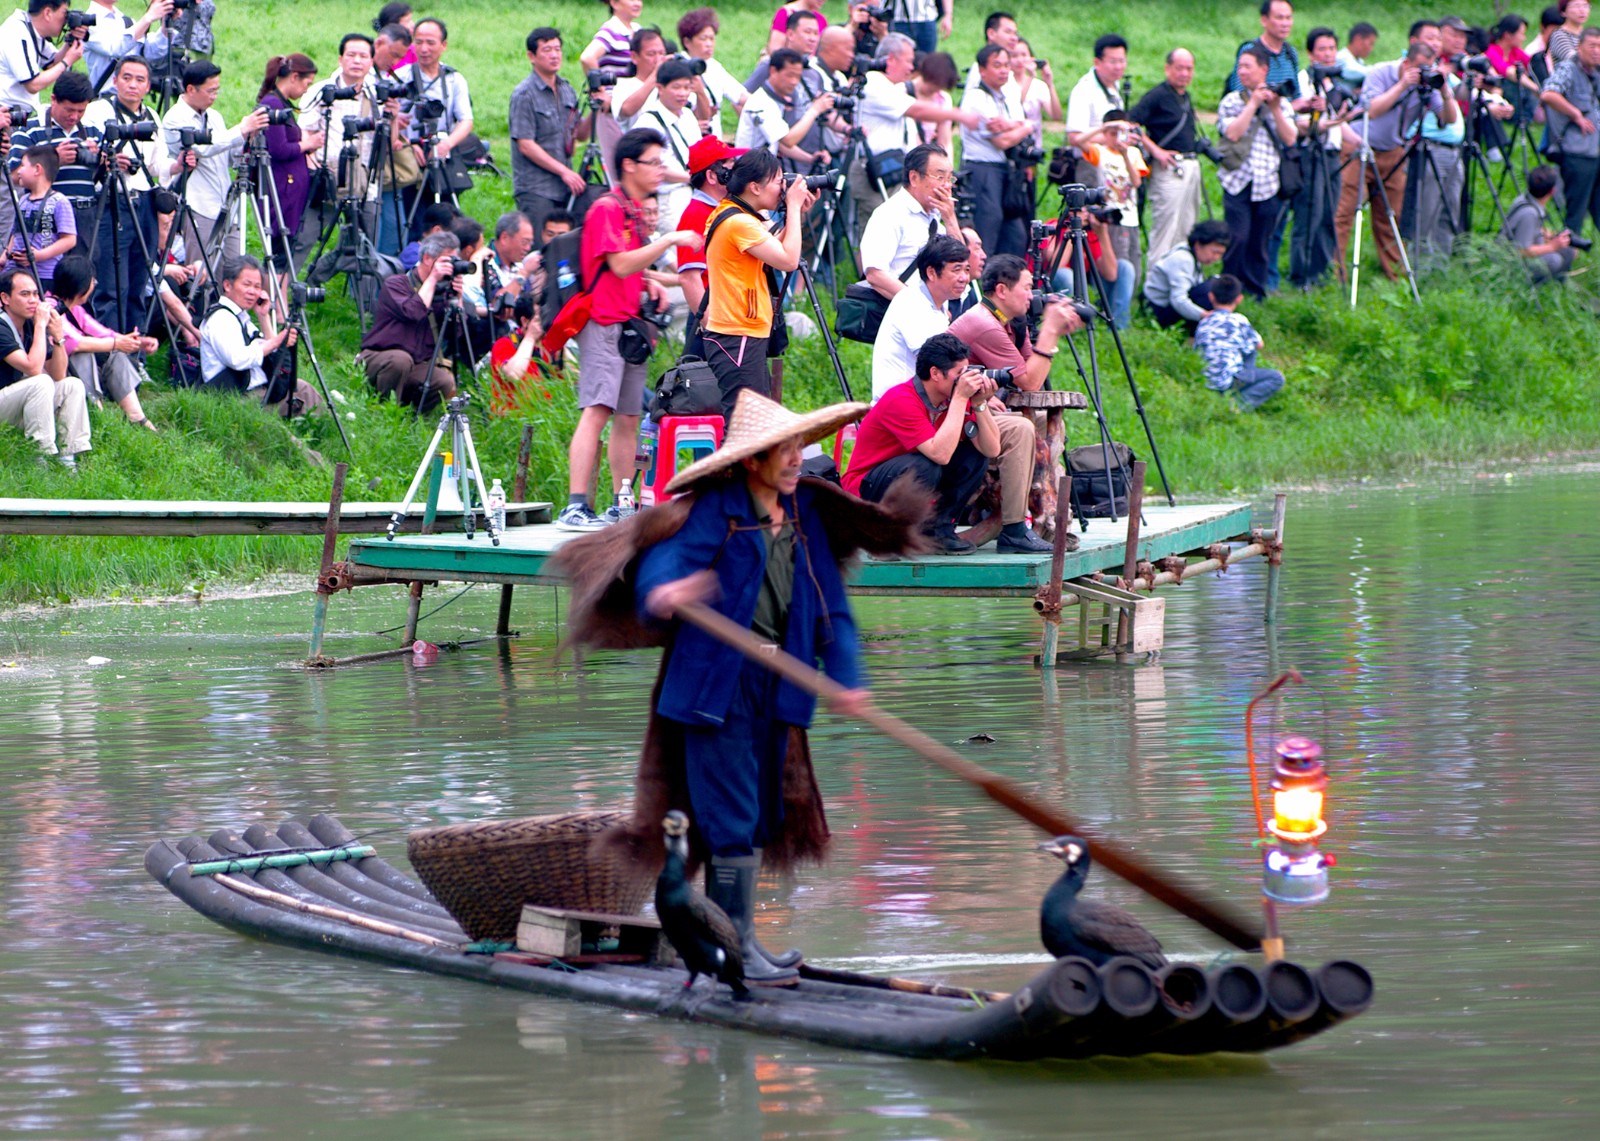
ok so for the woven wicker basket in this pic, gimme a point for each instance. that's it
(484, 871)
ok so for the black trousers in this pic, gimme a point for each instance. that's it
(1166, 316)
(956, 483)
(1252, 224)
(1001, 235)
(1313, 243)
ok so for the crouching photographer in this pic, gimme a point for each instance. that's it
(995, 333)
(399, 352)
(1548, 254)
(239, 356)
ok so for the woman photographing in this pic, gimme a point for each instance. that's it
(287, 79)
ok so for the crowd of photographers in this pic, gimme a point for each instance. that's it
(856, 145)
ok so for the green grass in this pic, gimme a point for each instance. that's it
(1480, 369)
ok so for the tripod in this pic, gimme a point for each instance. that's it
(591, 168)
(1081, 268)
(803, 272)
(455, 317)
(357, 252)
(435, 183)
(829, 222)
(1476, 162)
(1422, 162)
(179, 217)
(461, 446)
(1369, 169)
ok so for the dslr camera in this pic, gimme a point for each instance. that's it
(387, 89)
(696, 66)
(1001, 376)
(1208, 148)
(1063, 165)
(76, 20)
(300, 293)
(881, 13)
(463, 267)
(21, 116)
(331, 94)
(278, 116)
(812, 181)
(657, 315)
(191, 137)
(1025, 154)
(1285, 89)
(1320, 74)
(1430, 77)
(966, 198)
(115, 132)
(1077, 196)
(599, 78)
(1040, 299)
(356, 124)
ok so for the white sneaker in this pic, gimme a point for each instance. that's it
(579, 517)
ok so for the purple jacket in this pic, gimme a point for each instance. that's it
(290, 172)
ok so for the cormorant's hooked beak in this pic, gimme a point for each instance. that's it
(1069, 850)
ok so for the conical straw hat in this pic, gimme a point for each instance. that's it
(758, 424)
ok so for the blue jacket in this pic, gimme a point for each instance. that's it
(701, 673)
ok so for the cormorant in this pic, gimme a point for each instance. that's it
(698, 929)
(1096, 931)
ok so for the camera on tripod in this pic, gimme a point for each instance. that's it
(356, 124)
(1040, 299)
(1431, 78)
(276, 116)
(1025, 154)
(1063, 166)
(1321, 74)
(1478, 64)
(191, 137)
(387, 89)
(331, 94)
(599, 78)
(860, 65)
(141, 132)
(813, 181)
(427, 113)
(76, 20)
(966, 198)
(301, 294)
(1077, 196)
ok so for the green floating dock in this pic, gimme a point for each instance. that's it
(523, 552)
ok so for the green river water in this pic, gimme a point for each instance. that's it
(1450, 637)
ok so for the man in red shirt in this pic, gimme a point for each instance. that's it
(710, 163)
(612, 259)
(936, 426)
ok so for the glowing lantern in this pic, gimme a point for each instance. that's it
(1295, 871)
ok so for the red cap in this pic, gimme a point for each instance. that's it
(709, 151)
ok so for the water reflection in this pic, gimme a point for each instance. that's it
(1455, 694)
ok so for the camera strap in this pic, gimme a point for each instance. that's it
(1183, 121)
(671, 131)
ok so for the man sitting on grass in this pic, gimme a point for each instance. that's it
(1228, 342)
(35, 387)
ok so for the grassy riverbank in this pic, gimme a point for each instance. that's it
(1479, 369)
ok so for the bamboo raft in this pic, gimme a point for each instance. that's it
(345, 900)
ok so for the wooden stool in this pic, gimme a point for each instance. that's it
(697, 435)
(1052, 446)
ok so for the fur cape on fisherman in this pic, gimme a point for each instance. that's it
(603, 614)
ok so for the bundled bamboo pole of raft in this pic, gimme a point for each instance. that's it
(1009, 796)
(267, 895)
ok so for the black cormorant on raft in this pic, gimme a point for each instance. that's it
(698, 929)
(307, 884)
(1093, 930)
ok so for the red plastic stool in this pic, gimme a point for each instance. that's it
(697, 435)
(847, 435)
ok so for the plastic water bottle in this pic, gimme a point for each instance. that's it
(497, 507)
(564, 275)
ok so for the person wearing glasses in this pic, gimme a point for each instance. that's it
(919, 210)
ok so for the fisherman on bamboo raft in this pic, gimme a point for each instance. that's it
(726, 743)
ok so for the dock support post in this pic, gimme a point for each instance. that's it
(429, 514)
(1130, 556)
(1275, 556)
(1049, 598)
(519, 493)
(330, 545)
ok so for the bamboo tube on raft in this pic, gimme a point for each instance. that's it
(1107, 854)
(267, 895)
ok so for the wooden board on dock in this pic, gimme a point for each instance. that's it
(523, 554)
(206, 517)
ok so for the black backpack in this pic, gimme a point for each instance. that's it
(561, 250)
(1092, 496)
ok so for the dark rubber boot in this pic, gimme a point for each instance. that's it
(731, 885)
(789, 958)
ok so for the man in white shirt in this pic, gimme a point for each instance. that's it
(628, 97)
(1095, 94)
(912, 217)
(29, 62)
(234, 353)
(918, 311)
(888, 114)
(1000, 28)
(318, 114)
(116, 34)
(668, 113)
(206, 186)
(983, 153)
(430, 79)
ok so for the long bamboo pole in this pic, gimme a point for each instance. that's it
(267, 895)
(1181, 899)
